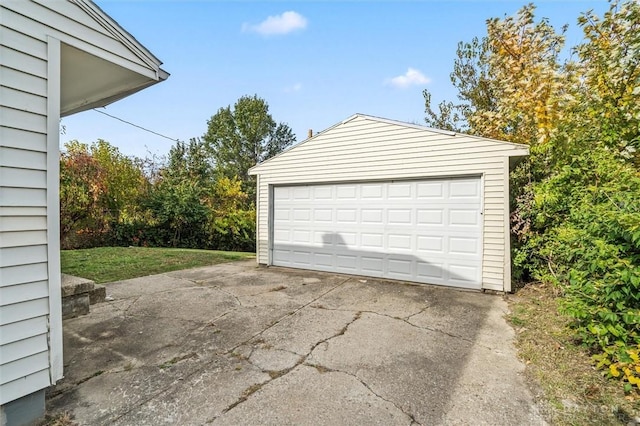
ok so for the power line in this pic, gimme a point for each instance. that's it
(135, 125)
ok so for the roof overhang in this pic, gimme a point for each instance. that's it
(88, 81)
(91, 78)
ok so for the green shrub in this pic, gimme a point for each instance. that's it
(585, 237)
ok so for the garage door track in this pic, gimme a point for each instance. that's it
(238, 344)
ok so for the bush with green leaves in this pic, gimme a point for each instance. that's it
(576, 199)
(585, 237)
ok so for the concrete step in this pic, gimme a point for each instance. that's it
(98, 294)
(75, 285)
(78, 294)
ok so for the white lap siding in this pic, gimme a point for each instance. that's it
(24, 271)
(42, 41)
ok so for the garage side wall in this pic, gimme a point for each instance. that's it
(363, 149)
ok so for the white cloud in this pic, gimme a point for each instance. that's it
(294, 88)
(412, 77)
(279, 24)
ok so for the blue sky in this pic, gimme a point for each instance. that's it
(315, 63)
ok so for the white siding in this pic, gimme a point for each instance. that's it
(365, 148)
(24, 303)
(31, 36)
(67, 22)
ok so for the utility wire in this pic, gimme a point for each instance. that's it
(135, 125)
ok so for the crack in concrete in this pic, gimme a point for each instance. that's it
(274, 288)
(368, 387)
(229, 351)
(205, 283)
(126, 310)
(417, 313)
(236, 298)
(281, 373)
(406, 321)
(274, 323)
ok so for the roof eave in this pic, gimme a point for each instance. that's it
(123, 35)
(102, 102)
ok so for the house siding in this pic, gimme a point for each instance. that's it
(363, 149)
(30, 36)
(24, 295)
(60, 19)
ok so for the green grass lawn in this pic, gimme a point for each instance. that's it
(107, 264)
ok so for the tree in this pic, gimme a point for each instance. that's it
(244, 136)
(179, 199)
(509, 82)
(577, 215)
(609, 64)
(82, 190)
(99, 187)
(232, 224)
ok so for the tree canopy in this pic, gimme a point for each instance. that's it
(576, 200)
(243, 136)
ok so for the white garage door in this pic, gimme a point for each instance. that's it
(427, 231)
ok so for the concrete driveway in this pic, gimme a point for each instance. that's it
(235, 344)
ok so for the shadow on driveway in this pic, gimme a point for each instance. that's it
(238, 344)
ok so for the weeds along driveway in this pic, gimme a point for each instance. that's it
(236, 344)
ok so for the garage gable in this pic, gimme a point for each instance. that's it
(425, 229)
(374, 138)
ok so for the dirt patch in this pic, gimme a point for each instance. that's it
(571, 390)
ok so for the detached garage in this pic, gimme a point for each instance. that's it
(387, 199)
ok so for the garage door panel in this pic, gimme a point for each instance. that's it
(302, 215)
(281, 215)
(346, 216)
(372, 216)
(347, 262)
(282, 193)
(373, 264)
(320, 239)
(463, 273)
(302, 258)
(467, 217)
(400, 191)
(301, 237)
(346, 192)
(372, 241)
(323, 215)
(464, 246)
(347, 239)
(323, 192)
(430, 244)
(399, 242)
(323, 260)
(430, 190)
(430, 217)
(301, 193)
(428, 271)
(427, 231)
(282, 257)
(400, 268)
(468, 188)
(281, 236)
(399, 217)
(372, 191)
